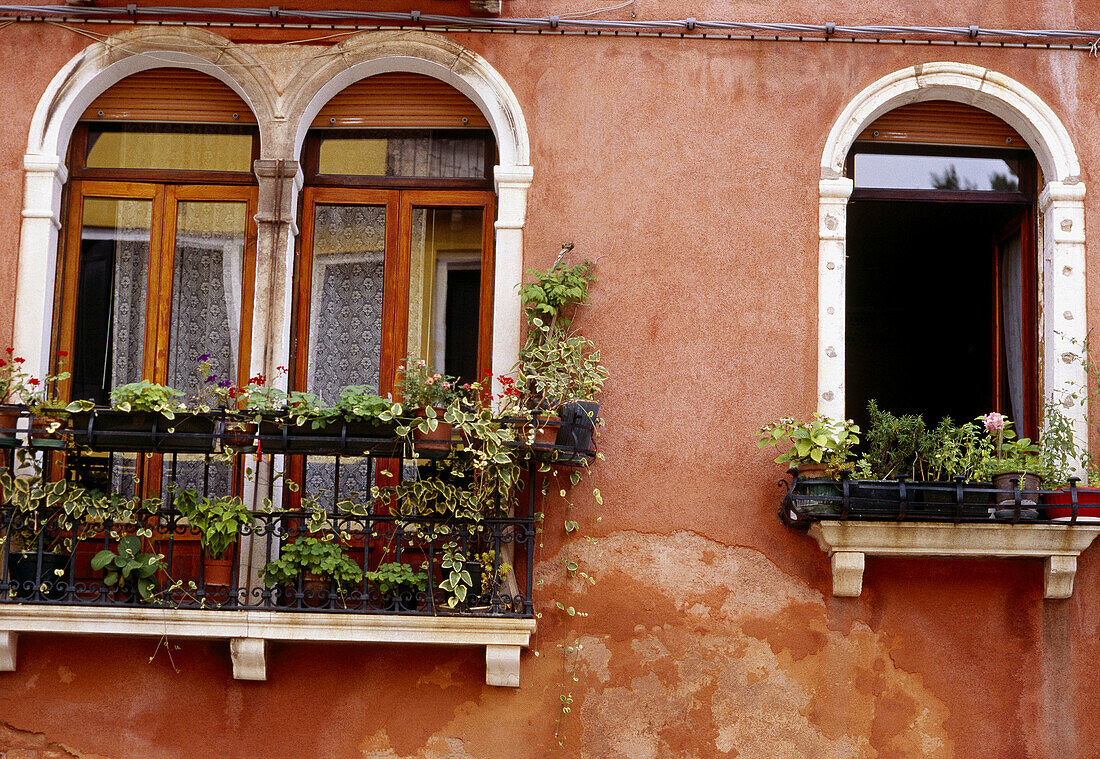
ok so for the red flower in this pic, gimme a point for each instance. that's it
(18, 360)
(11, 350)
(3, 362)
(33, 382)
(63, 353)
(259, 379)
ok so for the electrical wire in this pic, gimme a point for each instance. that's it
(580, 22)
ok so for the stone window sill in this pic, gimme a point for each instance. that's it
(249, 631)
(847, 542)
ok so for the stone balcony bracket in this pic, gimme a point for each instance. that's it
(848, 542)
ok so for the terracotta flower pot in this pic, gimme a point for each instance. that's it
(218, 571)
(9, 423)
(239, 435)
(434, 442)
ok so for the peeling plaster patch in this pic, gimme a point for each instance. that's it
(830, 266)
(764, 676)
(830, 352)
(827, 395)
(1067, 271)
(830, 310)
(830, 222)
(1067, 225)
(1068, 316)
(378, 746)
(65, 675)
(23, 743)
(443, 677)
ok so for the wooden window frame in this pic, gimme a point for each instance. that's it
(1027, 177)
(162, 250)
(78, 156)
(399, 206)
(311, 153)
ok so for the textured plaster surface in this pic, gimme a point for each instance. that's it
(691, 169)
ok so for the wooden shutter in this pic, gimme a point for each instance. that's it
(171, 94)
(400, 99)
(942, 122)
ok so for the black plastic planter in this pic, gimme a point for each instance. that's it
(145, 431)
(26, 581)
(578, 422)
(335, 438)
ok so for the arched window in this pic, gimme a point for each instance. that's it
(396, 254)
(942, 266)
(159, 249)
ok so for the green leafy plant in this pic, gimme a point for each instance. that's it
(553, 296)
(821, 440)
(1010, 453)
(904, 446)
(130, 566)
(218, 520)
(554, 372)
(147, 396)
(321, 555)
(457, 581)
(395, 577)
(491, 580)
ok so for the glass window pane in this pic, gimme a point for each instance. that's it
(407, 153)
(207, 282)
(920, 172)
(345, 328)
(109, 333)
(445, 288)
(181, 147)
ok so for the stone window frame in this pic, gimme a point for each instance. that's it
(1062, 312)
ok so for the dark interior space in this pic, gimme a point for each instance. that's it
(463, 310)
(91, 340)
(920, 307)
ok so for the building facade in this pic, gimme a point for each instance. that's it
(745, 271)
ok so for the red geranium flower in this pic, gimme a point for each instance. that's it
(63, 353)
(33, 382)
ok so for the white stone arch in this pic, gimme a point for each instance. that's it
(70, 92)
(437, 56)
(1061, 207)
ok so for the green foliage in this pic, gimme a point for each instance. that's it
(1060, 451)
(395, 577)
(265, 400)
(319, 555)
(458, 581)
(552, 296)
(360, 403)
(555, 372)
(821, 440)
(147, 396)
(218, 520)
(129, 566)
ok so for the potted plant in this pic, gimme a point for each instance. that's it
(427, 393)
(319, 562)
(559, 370)
(13, 391)
(487, 576)
(820, 449)
(45, 516)
(130, 570)
(219, 522)
(398, 584)
(49, 415)
(361, 422)
(1016, 468)
(143, 417)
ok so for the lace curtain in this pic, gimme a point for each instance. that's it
(345, 335)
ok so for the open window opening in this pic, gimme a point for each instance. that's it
(942, 297)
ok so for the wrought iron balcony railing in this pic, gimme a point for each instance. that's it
(93, 515)
(903, 500)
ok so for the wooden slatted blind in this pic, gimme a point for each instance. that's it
(171, 94)
(400, 99)
(942, 122)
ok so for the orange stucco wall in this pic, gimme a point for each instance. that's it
(689, 168)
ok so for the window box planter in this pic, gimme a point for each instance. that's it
(143, 431)
(9, 425)
(340, 437)
(1059, 506)
(26, 581)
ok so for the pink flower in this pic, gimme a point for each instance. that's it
(994, 422)
(446, 385)
(429, 381)
(421, 362)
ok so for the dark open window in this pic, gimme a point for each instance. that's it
(941, 281)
